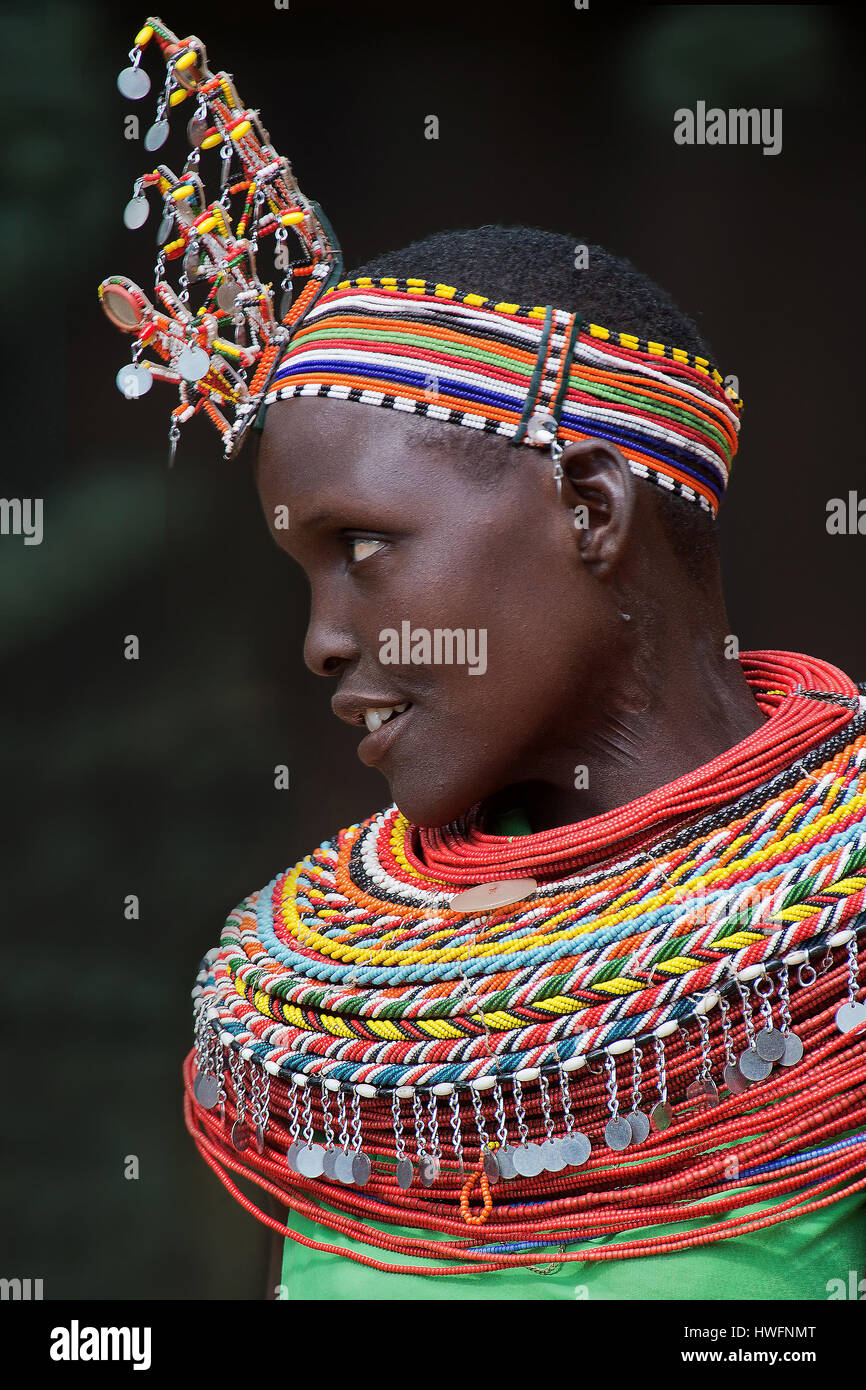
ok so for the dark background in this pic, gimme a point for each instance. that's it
(156, 777)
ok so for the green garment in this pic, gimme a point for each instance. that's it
(810, 1257)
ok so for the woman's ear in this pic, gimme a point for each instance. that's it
(598, 487)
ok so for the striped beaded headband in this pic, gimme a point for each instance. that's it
(529, 373)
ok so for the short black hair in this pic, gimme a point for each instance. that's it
(528, 265)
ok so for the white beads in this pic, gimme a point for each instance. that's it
(527, 1074)
(708, 1002)
(664, 1030)
(443, 1088)
(362, 1088)
(484, 1083)
(618, 1048)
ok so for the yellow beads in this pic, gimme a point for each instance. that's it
(240, 130)
(144, 36)
(211, 141)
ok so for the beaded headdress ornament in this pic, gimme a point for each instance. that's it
(532, 374)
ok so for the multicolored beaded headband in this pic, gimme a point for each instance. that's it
(529, 373)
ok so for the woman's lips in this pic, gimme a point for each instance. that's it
(373, 747)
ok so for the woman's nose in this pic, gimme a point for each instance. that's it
(328, 646)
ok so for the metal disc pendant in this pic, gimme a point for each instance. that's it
(133, 83)
(292, 1155)
(734, 1079)
(329, 1160)
(753, 1066)
(576, 1149)
(193, 363)
(661, 1116)
(554, 1158)
(527, 1160)
(192, 263)
(310, 1160)
(793, 1050)
(617, 1134)
(156, 136)
(428, 1169)
(227, 294)
(850, 1015)
(206, 1091)
(259, 1139)
(196, 130)
(505, 1162)
(640, 1126)
(136, 213)
(491, 1167)
(484, 896)
(361, 1169)
(133, 381)
(770, 1043)
(704, 1091)
(240, 1136)
(344, 1168)
(405, 1173)
(163, 231)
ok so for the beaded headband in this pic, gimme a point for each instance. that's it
(527, 373)
(530, 373)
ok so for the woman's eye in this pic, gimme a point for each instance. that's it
(362, 546)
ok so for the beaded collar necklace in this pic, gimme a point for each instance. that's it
(399, 1044)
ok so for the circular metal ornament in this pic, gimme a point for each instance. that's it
(793, 1050)
(206, 1090)
(227, 294)
(329, 1161)
(193, 363)
(617, 1134)
(491, 1167)
(361, 1169)
(136, 213)
(704, 1091)
(163, 231)
(240, 1136)
(576, 1149)
(310, 1160)
(192, 263)
(405, 1173)
(124, 308)
(753, 1066)
(661, 1116)
(770, 1043)
(344, 1168)
(505, 1161)
(259, 1139)
(850, 1015)
(156, 136)
(640, 1126)
(734, 1079)
(428, 1169)
(133, 83)
(133, 381)
(485, 896)
(528, 1160)
(292, 1155)
(541, 428)
(196, 130)
(554, 1158)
